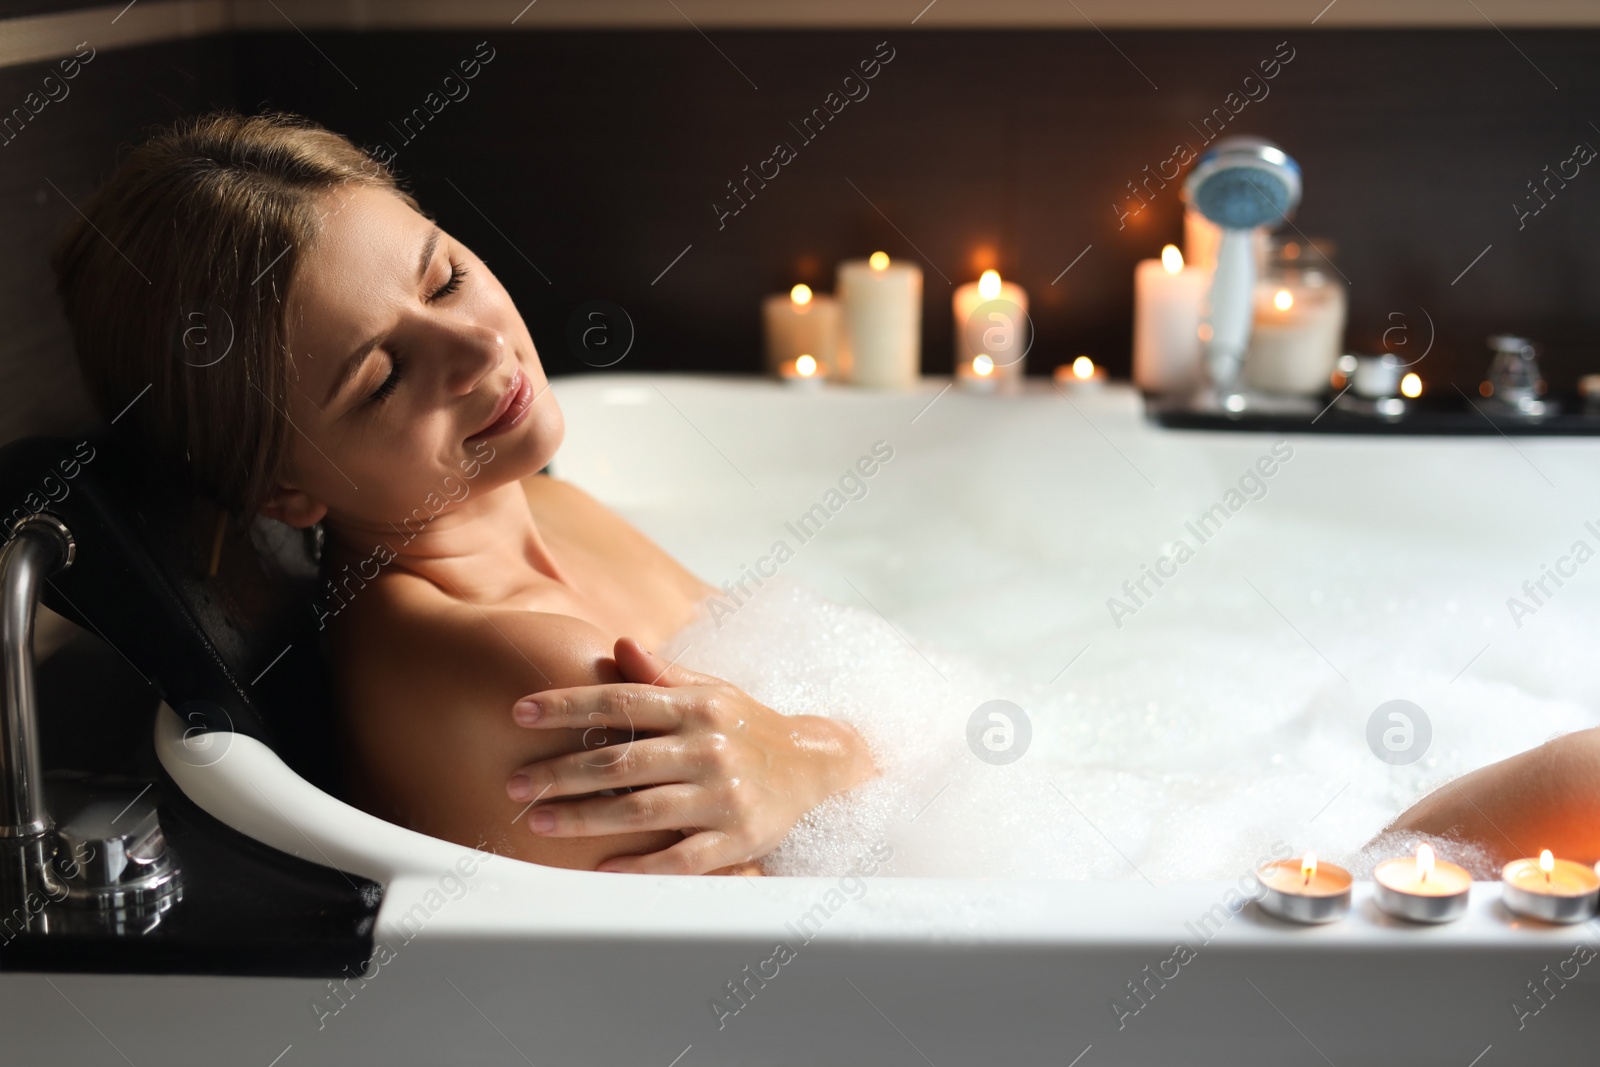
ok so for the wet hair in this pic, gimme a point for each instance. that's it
(175, 278)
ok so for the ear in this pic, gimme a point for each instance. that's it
(293, 507)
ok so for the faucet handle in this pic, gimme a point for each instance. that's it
(112, 851)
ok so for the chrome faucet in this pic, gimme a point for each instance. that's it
(110, 854)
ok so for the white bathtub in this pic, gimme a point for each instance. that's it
(549, 966)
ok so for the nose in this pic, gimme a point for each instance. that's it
(474, 352)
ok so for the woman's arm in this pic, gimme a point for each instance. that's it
(433, 745)
(1545, 798)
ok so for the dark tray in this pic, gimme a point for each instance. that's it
(1447, 414)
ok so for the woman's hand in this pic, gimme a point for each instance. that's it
(698, 754)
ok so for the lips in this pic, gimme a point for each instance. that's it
(511, 409)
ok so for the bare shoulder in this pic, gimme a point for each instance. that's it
(426, 685)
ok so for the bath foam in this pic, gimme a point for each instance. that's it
(1185, 754)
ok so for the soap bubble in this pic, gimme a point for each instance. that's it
(998, 732)
(1399, 732)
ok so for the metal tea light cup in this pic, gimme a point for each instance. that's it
(1421, 889)
(1555, 891)
(1304, 890)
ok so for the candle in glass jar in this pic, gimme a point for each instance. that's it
(1296, 338)
(801, 322)
(1167, 301)
(1422, 888)
(1557, 891)
(880, 340)
(1304, 891)
(991, 319)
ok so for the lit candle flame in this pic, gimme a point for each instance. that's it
(801, 295)
(1172, 259)
(982, 365)
(1424, 861)
(805, 366)
(989, 284)
(1083, 368)
(1547, 863)
(1308, 866)
(1283, 300)
(1411, 385)
(879, 261)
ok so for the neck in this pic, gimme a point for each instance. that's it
(486, 550)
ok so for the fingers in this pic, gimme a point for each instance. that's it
(662, 807)
(631, 708)
(639, 665)
(751, 869)
(650, 761)
(700, 853)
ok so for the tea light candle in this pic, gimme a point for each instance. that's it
(1167, 301)
(998, 331)
(802, 372)
(978, 374)
(1296, 338)
(800, 323)
(1305, 891)
(1557, 891)
(1421, 888)
(1080, 376)
(880, 340)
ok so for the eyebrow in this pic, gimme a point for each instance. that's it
(353, 363)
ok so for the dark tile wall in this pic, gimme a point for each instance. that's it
(599, 157)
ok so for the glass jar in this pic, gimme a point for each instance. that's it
(1297, 334)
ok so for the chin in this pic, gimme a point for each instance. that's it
(541, 434)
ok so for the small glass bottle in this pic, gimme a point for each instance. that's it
(1298, 331)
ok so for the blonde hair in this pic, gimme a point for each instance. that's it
(175, 281)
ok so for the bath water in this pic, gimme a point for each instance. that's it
(1188, 753)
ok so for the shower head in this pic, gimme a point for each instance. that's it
(1241, 184)
(1244, 182)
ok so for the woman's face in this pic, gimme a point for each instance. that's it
(404, 348)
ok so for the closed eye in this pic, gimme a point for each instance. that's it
(457, 273)
(385, 390)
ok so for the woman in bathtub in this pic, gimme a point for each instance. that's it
(493, 677)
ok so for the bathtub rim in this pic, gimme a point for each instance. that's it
(250, 789)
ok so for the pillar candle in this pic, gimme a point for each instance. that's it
(880, 340)
(800, 323)
(999, 330)
(1167, 302)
